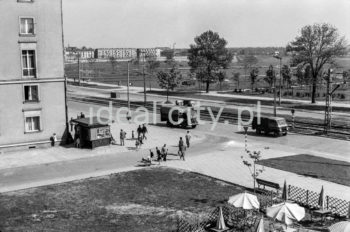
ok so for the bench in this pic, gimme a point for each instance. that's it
(270, 184)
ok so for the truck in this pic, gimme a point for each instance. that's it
(182, 115)
(276, 125)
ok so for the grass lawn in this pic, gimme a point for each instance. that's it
(142, 200)
(322, 168)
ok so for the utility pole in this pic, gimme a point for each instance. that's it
(127, 86)
(144, 79)
(78, 55)
(277, 56)
(328, 109)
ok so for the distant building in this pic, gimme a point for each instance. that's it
(125, 53)
(70, 53)
(118, 53)
(32, 96)
(86, 53)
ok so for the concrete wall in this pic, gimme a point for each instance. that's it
(47, 41)
(12, 116)
(48, 37)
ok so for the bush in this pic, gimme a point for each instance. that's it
(342, 96)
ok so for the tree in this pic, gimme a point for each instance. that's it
(286, 74)
(113, 62)
(221, 77)
(248, 62)
(169, 55)
(255, 156)
(254, 73)
(152, 64)
(169, 80)
(236, 77)
(316, 46)
(270, 77)
(208, 55)
(92, 62)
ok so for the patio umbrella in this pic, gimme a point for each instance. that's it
(245, 201)
(321, 199)
(340, 227)
(286, 212)
(285, 192)
(260, 227)
(220, 223)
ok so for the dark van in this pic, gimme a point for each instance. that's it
(276, 125)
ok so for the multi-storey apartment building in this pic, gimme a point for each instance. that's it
(32, 95)
(126, 53)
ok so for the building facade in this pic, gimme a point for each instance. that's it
(126, 53)
(32, 86)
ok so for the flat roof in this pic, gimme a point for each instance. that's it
(92, 122)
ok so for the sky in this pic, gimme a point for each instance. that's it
(164, 23)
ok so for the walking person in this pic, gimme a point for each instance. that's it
(159, 155)
(181, 147)
(164, 152)
(144, 131)
(151, 154)
(188, 138)
(139, 131)
(183, 152)
(122, 137)
(53, 139)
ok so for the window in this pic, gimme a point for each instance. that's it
(28, 63)
(31, 93)
(24, 0)
(32, 124)
(27, 26)
(32, 121)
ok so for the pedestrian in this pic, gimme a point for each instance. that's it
(122, 137)
(77, 142)
(132, 135)
(164, 152)
(181, 147)
(159, 154)
(71, 124)
(182, 153)
(144, 131)
(188, 138)
(137, 144)
(53, 139)
(151, 154)
(139, 131)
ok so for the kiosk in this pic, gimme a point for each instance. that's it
(92, 133)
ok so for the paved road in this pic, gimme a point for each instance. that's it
(135, 96)
(219, 155)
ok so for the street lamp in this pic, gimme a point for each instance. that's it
(127, 87)
(277, 56)
(144, 77)
(272, 73)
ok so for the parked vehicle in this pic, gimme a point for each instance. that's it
(183, 113)
(276, 125)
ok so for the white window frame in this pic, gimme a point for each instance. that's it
(24, 94)
(34, 26)
(35, 63)
(32, 114)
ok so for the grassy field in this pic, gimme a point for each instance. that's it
(103, 72)
(318, 167)
(143, 200)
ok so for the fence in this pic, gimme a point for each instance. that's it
(309, 199)
(230, 213)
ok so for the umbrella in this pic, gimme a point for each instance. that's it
(260, 227)
(245, 201)
(220, 223)
(340, 227)
(285, 192)
(321, 199)
(286, 212)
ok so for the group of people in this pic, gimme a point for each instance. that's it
(182, 146)
(141, 135)
(163, 152)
